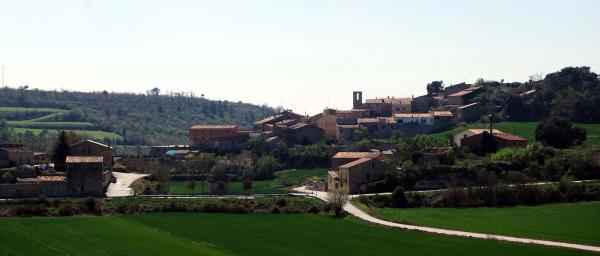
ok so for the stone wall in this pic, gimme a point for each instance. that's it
(20, 190)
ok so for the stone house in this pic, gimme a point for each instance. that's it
(207, 136)
(462, 97)
(93, 148)
(452, 89)
(353, 170)
(469, 113)
(87, 175)
(16, 155)
(472, 139)
(327, 120)
(284, 117)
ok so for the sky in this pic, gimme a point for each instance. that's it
(300, 55)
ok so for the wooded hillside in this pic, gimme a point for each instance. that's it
(132, 119)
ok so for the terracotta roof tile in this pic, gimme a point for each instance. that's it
(213, 126)
(84, 159)
(357, 155)
(356, 162)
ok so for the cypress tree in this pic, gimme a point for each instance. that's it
(61, 151)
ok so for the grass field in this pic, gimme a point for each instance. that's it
(258, 186)
(60, 125)
(234, 234)
(38, 124)
(96, 135)
(568, 222)
(43, 110)
(522, 129)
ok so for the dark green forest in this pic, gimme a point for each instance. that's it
(140, 119)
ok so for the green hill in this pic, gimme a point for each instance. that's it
(118, 118)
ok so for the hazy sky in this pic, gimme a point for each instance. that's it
(303, 55)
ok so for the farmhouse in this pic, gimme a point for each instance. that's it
(206, 136)
(93, 148)
(472, 139)
(460, 98)
(15, 155)
(87, 175)
(353, 170)
(469, 113)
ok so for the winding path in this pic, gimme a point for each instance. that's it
(364, 216)
(122, 187)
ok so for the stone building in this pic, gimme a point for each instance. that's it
(87, 175)
(227, 137)
(16, 155)
(452, 89)
(469, 113)
(463, 97)
(286, 117)
(93, 148)
(327, 121)
(353, 170)
(472, 139)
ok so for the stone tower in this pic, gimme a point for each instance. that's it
(356, 99)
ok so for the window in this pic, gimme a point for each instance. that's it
(368, 176)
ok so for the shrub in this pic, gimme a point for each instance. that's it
(399, 198)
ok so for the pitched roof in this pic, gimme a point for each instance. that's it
(51, 178)
(412, 115)
(333, 174)
(213, 126)
(356, 155)
(298, 126)
(469, 105)
(356, 162)
(367, 120)
(93, 142)
(479, 131)
(460, 94)
(389, 101)
(84, 159)
(506, 136)
(443, 113)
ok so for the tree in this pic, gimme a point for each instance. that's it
(61, 151)
(191, 185)
(8, 177)
(219, 172)
(337, 198)
(155, 91)
(399, 197)
(435, 87)
(265, 167)
(559, 133)
(402, 154)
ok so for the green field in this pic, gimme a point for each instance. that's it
(567, 222)
(96, 135)
(35, 124)
(234, 234)
(258, 186)
(522, 129)
(38, 124)
(43, 110)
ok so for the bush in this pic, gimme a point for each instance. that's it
(399, 198)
